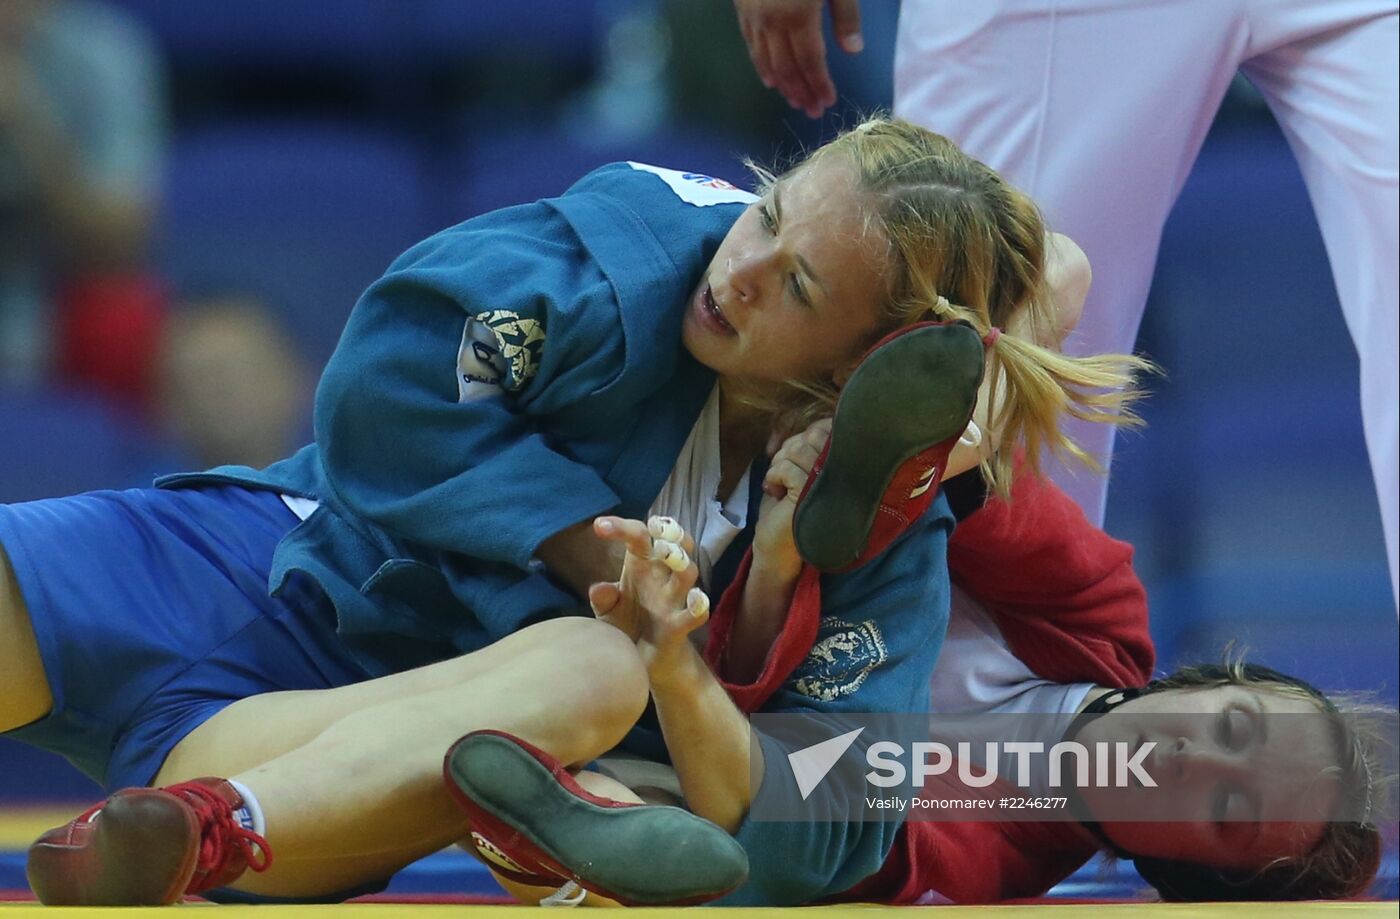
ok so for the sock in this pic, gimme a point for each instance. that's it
(250, 815)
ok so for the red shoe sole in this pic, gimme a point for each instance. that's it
(639, 855)
(141, 852)
(911, 393)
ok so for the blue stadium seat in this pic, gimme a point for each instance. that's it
(216, 33)
(562, 33)
(505, 169)
(363, 33)
(304, 215)
(62, 443)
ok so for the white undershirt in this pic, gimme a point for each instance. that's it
(691, 494)
(977, 674)
(302, 507)
(976, 671)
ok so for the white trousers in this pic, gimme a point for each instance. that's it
(1098, 108)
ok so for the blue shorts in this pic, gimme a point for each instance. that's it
(152, 614)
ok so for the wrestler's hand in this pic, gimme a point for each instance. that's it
(655, 602)
(773, 545)
(577, 558)
(785, 43)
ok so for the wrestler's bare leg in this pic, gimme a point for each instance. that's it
(24, 688)
(350, 779)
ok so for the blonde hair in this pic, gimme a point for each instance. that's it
(966, 245)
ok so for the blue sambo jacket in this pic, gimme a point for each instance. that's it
(522, 372)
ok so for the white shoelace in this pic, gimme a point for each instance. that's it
(569, 895)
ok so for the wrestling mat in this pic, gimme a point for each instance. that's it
(446, 883)
(1026, 911)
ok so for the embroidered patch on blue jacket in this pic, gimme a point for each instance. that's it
(500, 350)
(838, 664)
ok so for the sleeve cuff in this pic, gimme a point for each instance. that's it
(789, 648)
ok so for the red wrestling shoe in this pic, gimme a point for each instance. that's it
(543, 828)
(147, 847)
(899, 416)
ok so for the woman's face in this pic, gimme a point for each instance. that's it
(795, 290)
(1243, 776)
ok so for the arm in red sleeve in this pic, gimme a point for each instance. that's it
(1062, 591)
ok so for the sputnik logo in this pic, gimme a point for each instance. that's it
(811, 764)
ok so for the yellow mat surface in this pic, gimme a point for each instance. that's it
(1135, 911)
(18, 827)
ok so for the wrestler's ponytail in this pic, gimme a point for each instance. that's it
(968, 246)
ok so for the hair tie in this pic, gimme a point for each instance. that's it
(991, 337)
(941, 306)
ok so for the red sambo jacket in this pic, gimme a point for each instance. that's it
(1067, 602)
